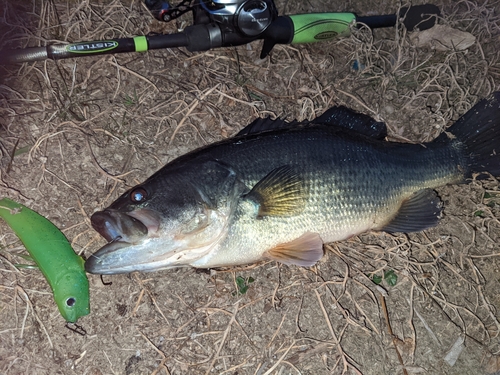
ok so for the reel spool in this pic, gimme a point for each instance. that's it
(249, 17)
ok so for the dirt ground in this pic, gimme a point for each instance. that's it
(76, 133)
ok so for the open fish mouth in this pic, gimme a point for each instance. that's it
(116, 225)
(122, 230)
(136, 242)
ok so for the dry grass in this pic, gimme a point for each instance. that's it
(76, 133)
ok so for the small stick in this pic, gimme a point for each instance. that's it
(389, 329)
(224, 337)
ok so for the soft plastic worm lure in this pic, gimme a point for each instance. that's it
(55, 257)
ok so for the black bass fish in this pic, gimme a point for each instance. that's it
(280, 190)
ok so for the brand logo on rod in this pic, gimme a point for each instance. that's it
(325, 35)
(92, 47)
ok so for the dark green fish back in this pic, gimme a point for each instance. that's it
(336, 116)
(348, 173)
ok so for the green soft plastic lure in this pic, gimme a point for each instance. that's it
(55, 257)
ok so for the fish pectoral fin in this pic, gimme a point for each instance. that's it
(280, 193)
(304, 251)
(420, 211)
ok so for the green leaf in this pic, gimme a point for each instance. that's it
(243, 284)
(244, 289)
(479, 213)
(240, 282)
(22, 150)
(254, 96)
(377, 279)
(391, 278)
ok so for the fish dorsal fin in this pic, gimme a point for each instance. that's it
(336, 116)
(359, 122)
(260, 125)
(304, 251)
(419, 212)
(280, 193)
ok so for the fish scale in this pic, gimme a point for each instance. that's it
(281, 193)
(367, 192)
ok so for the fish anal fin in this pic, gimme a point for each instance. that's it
(304, 251)
(280, 193)
(420, 211)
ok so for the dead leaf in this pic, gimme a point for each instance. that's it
(493, 365)
(443, 38)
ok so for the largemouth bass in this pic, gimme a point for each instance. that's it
(280, 190)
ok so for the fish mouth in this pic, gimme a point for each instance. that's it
(137, 243)
(122, 230)
(126, 226)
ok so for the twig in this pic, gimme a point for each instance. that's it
(224, 337)
(343, 355)
(19, 290)
(164, 357)
(389, 329)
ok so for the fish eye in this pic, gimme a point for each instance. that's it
(70, 302)
(138, 195)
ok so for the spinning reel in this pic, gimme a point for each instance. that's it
(250, 18)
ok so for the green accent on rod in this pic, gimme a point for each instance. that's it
(318, 27)
(141, 44)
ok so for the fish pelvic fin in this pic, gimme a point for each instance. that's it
(420, 211)
(477, 135)
(280, 193)
(304, 251)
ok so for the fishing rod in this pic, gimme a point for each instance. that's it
(225, 23)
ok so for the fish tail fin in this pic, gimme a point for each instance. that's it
(477, 134)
